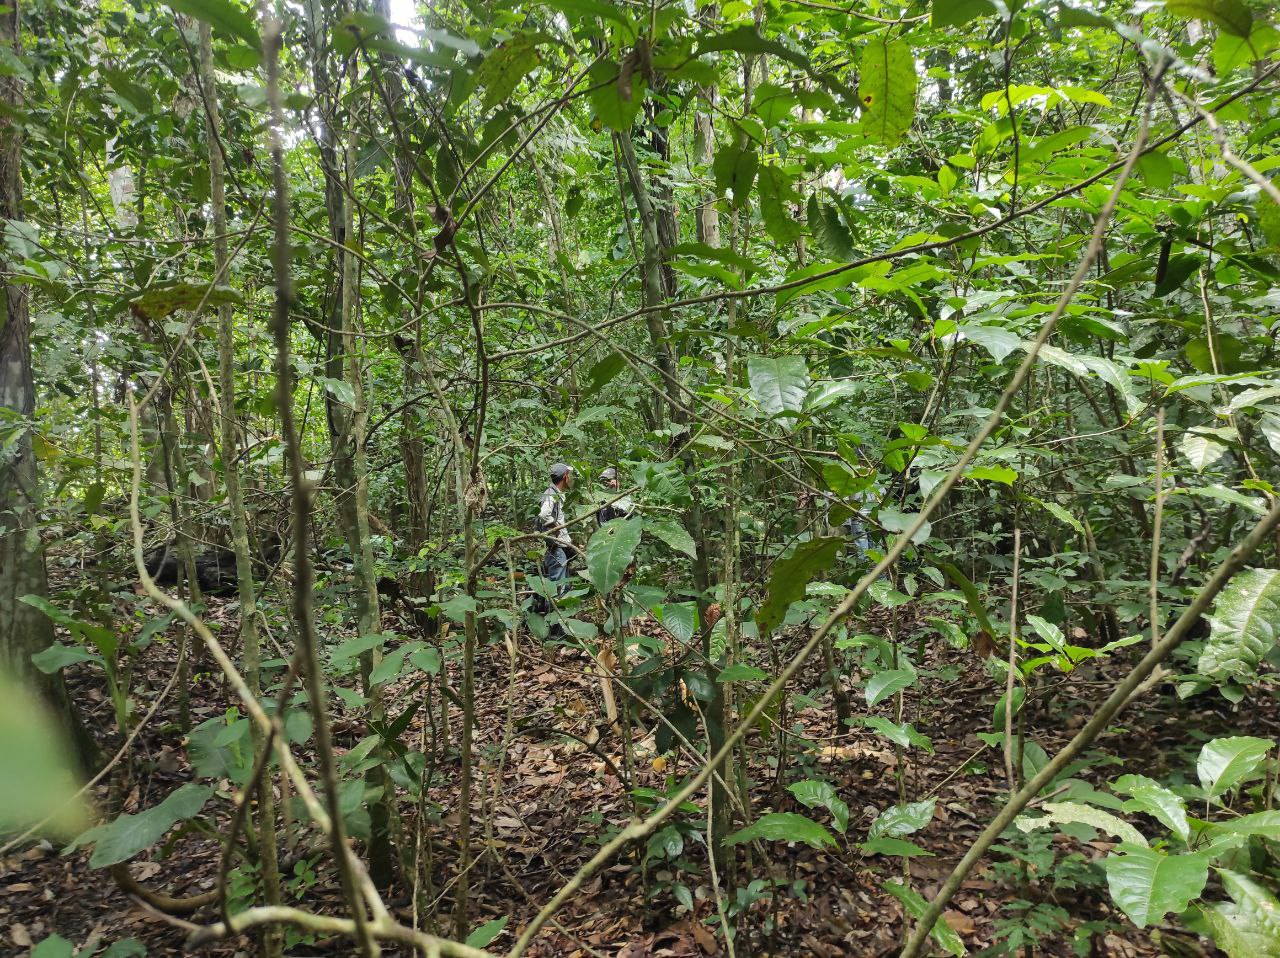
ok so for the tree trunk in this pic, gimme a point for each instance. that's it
(24, 630)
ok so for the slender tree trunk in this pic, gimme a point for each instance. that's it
(229, 432)
(24, 630)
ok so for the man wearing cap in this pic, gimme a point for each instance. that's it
(560, 549)
(614, 507)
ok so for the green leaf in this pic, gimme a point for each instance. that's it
(1225, 762)
(812, 793)
(125, 948)
(904, 734)
(1075, 812)
(996, 340)
(507, 65)
(1001, 474)
(777, 190)
(352, 648)
(897, 821)
(1249, 925)
(1157, 801)
(893, 846)
(610, 551)
(1265, 824)
(746, 39)
(392, 665)
(55, 946)
(832, 235)
(1269, 218)
(1201, 451)
(783, 827)
(57, 657)
(1244, 626)
(735, 171)
(1231, 15)
(887, 90)
(673, 534)
(779, 384)
(428, 660)
(941, 932)
(130, 834)
(791, 575)
(616, 111)
(679, 618)
(738, 672)
(1147, 884)
(956, 13)
(483, 936)
(889, 682)
(164, 298)
(225, 16)
(971, 597)
(604, 372)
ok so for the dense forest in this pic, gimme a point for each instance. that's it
(639, 477)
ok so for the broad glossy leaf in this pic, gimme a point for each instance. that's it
(740, 672)
(615, 111)
(611, 549)
(904, 734)
(779, 384)
(483, 936)
(811, 794)
(832, 235)
(1269, 218)
(1147, 884)
(897, 821)
(889, 682)
(1157, 801)
(746, 39)
(898, 847)
(1201, 451)
(996, 340)
(784, 827)
(1249, 925)
(57, 657)
(55, 946)
(1225, 762)
(735, 170)
(777, 191)
(887, 90)
(791, 575)
(1244, 626)
(1266, 824)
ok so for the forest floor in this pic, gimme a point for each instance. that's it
(559, 795)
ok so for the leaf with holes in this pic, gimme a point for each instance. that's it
(887, 90)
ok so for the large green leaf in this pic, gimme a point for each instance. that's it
(1269, 218)
(225, 16)
(615, 108)
(1266, 824)
(779, 384)
(1249, 925)
(610, 551)
(777, 190)
(887, 90)
(897, 821)
(942, 933)
(1157, 801)
(889, 682)
(904, 734)
(746, 39)
(791, 575)
(486, 933)
(1077, 813)
(956, 13)
(832, 235)
(1244, 626)
(1231, 15)
(735, 171)
(130, 834)
(161, 299)
(673, 534)
(784, 827)
(1225, 762)
(507, 65)
(1148, 884)
(811, 793)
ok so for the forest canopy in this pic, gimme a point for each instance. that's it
(575, 477)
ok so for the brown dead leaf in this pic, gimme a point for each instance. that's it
(960, 923)
(19, 935)
(705, 939)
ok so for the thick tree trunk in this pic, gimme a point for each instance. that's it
(24, 630)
